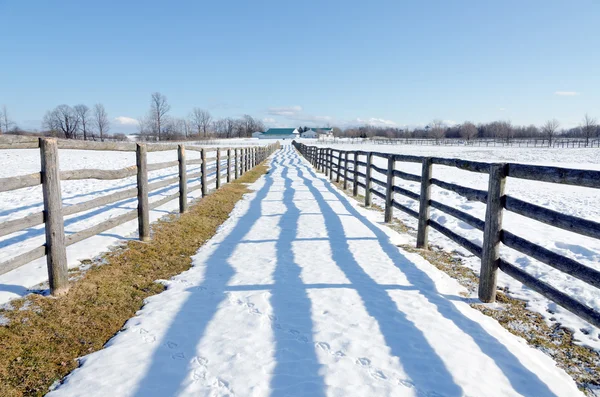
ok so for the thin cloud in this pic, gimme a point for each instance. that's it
(287, 111)
(566, 93)
(377, 122)
(123, 120)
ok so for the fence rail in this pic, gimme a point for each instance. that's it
(344, 163)
(237, 160)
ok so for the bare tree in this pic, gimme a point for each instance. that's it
(83, 113)
(549, 129)
(63, 119)
(468, 130)
(588, 127)
(438, 129)
(159, 108)
(201, 120)
(101, 121)
(5, 122)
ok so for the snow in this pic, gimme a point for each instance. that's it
(19, 203)
(302, 293)
(572, 200)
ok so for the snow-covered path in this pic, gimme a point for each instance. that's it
(301, 293)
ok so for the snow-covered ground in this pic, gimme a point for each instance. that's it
(19, 203)
(572, 200)
(301, 293)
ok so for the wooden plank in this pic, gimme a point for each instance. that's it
(164, 200)
(378, 194)
(143, 211)
(467, 192)
(407, 176)
(378, 169)
(75, 175)
(424, 197)
(565, 176)
(463, 216)
(236, 165)
(183, 205)
(17, 225)
(20, 182)
(99, 201)
(492, 234)
(160, 166)
(163, 183)
(407, 193)
(161, 147)
(56, 254)
(389, 191)
(21, 260)
(101, 227)
(194, 161)
(8, 139)
(405, 209)
(90, 145)
(557, 261)
(466, 165)
(194, 175)
(588, 314)
(460, 240)
(338, 174)
(553, 218)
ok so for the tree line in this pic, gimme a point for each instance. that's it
(499, 130)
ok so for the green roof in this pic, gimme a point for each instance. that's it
(321, 129)
(279, 131)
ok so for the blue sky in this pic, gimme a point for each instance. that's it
(305, 62)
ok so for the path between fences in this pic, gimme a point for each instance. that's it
(302, 293)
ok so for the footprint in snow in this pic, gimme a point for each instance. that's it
(200, 361)
(147, 336)
(363, 362)
(171, 345)
(178, 356)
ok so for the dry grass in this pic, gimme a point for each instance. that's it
(44, 336)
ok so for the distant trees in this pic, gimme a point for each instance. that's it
(5, 122)
(468, 130)
(159, 107)
(588, 128)
(100, 120)
(62, 120)
(437, 129)
(549, 130)
(83, 114)
(201, 120)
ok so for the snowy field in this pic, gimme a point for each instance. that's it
(301, 293)
(19, 203)
(572, 200)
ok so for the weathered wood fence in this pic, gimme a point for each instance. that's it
(236, 161)
(357, 167)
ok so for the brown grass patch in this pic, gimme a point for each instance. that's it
(44, 336)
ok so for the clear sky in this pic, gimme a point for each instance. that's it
(305, 62)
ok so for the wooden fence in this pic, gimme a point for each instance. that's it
(357, 167)
(235, 161)
(543, 143)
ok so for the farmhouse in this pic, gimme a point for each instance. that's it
(278, 133)
(316, 132)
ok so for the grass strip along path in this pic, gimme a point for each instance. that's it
(41, 338)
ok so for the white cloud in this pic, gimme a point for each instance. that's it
(268, 120)
(502, 109)
(376, 122)
(566, 93)
(126, 120)
(286, 111)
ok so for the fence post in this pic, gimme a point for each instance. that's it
(389, 191)
(368, 180)
(218, 182)
(235, 160)
(339, 164)
(182, 179)
(355, 186)
(228, 165)
(203, 171)
(345, 170)
(491, 233)
(423, 229)
(56, 253)
(142, 196)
